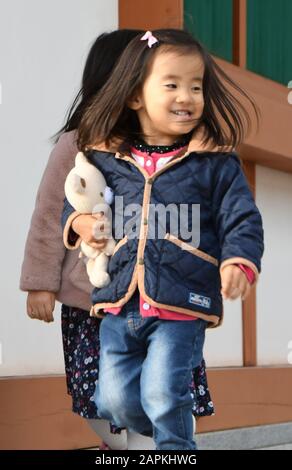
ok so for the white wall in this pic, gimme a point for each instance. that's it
(43, 46)
(274, 307)
(223, 345)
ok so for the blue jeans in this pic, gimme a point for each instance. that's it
(144, 375)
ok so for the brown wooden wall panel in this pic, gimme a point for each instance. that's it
(239, 32)
(150, 14)
(249, 171)
(249, 330)
(35, 412)
(249, 396)
(271, 146)
(249, 324)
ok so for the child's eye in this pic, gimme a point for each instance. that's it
(170, 85)
(196, 88)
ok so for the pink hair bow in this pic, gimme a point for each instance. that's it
(151, 39)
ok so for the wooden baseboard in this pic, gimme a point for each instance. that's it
(249, 396)
(35, 412)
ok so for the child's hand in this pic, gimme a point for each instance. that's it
(234, 283)
(40, 305)
(92, 229)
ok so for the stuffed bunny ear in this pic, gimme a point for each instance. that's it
(80, 159)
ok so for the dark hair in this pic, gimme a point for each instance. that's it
(102, 57)
(224, 120)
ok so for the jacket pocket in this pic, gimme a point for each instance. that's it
(188, 247)
(119, 258)
(188, 267)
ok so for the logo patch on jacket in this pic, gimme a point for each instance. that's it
(200, 300)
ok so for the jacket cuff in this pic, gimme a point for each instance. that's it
(37, 282)
(70, 238)
(244, 261)
(250, 275)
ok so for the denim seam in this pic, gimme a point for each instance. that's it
(180, 420)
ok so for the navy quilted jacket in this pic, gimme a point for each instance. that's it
(170, 271)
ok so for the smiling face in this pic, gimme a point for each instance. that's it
(171, 100)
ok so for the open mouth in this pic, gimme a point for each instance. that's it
(184, 115)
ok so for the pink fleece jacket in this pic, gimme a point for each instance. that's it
(47, 265)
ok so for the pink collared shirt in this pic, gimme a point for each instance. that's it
(151, 163)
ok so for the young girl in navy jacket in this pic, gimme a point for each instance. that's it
(163, 131)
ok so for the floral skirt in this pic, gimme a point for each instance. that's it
(80, 334)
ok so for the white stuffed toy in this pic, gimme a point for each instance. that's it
(87, 191)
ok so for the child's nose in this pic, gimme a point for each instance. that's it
(184, 96)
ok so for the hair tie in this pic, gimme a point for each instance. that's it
(151, 39)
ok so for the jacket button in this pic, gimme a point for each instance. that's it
(146, 306)
(141, 261)
(150, 181)
(145, 222)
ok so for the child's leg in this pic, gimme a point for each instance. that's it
(102, 428)
(174, 348)
(117, 394)
(138, 442)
